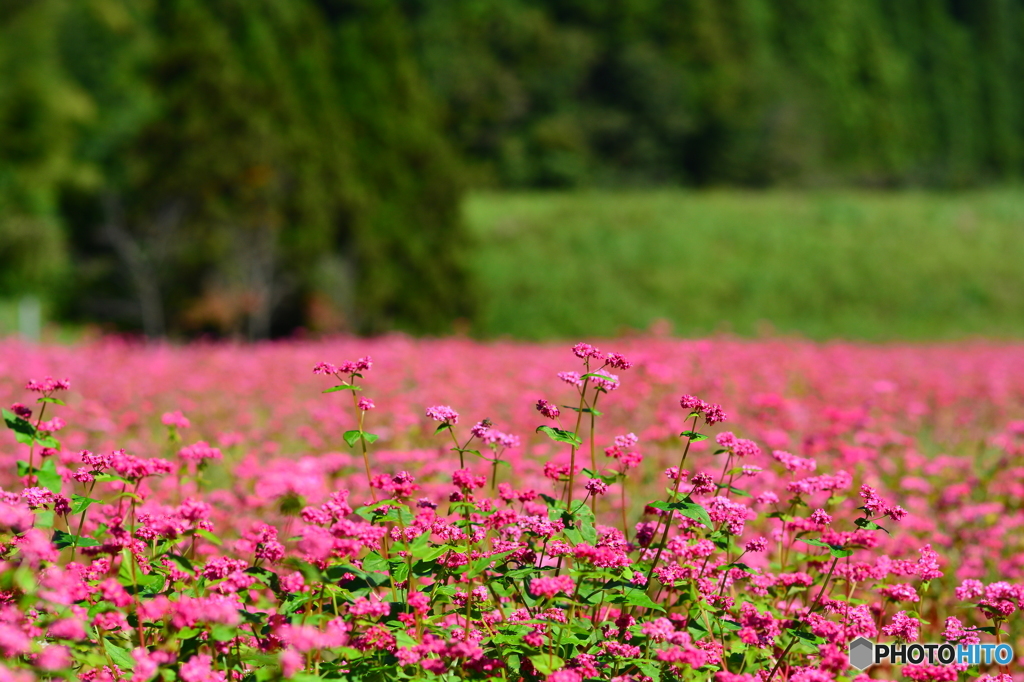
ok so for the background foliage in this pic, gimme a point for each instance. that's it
(247, 168)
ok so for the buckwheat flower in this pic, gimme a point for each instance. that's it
(726, 439)
(585, 350)
(292, 662)
(365, 404)
(36, 497)
(48, 385)
(627, 441)
(659, 629)
(552, 585)
(702, 483)
(872, 502)
(970, 589)
(957, 633)
(571, 378)
(21, 410)
(564, 675)
(903, 626)
(767, 498)
(900, 592)
(356, 366)
(792, 462)
(928, 564)
(199, 669)
(820, 517)
(547, 409)
(758, 544)
(465, 479)
(631, 460)
(746, 448)
(443, 413)
(67, 628)
(596, 487)
(617, 361)
(896, 513)
(175, 419)
(199, 451)
(504, 440)
(713, 413)
(324, 368)
(16, 518)
(52, 425)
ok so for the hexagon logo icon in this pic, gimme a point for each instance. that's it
(862, 653)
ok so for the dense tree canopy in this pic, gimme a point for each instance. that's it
(240, 166)
(750, 92)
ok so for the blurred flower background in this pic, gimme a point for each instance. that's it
(532, 168)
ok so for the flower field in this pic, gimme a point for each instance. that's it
(397, 509)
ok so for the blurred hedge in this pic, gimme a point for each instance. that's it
(238, 166)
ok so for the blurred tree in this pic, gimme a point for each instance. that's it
(752, 92)
(240, 150)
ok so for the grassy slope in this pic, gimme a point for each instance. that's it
(854, 265)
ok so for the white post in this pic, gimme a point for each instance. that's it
(30, 318)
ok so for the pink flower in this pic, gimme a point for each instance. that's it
(21, 410)
(199, 668)
(549, 586)
(713, 413)
(596, 487)
(759, 544)
(48, 385)
(443, 413)
(547, 409)
(903, 626)
(365, 404)
(199, 451)
(324, 368)
(584, 351)
(820, 517)
(53, 657)
(175, 419)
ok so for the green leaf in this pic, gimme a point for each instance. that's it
(649, 669)
(343, 387)
(560, 435)
(23, 430)
(120, 656)
(585, 410)
(209, 536)
(840, 553)
(183, 563)
(44, 518)
(79, 504)
(48, 477)
(693, 436)
(869, 525)
(733, 490)
(806, 636)
(687, 508)
(742, 567)
(816, 543)
(638, 597)
(62, 540)
(47, 399)
(352, 437)
(374, 562)
(370, 437)
(546, 664)
(441, 427)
